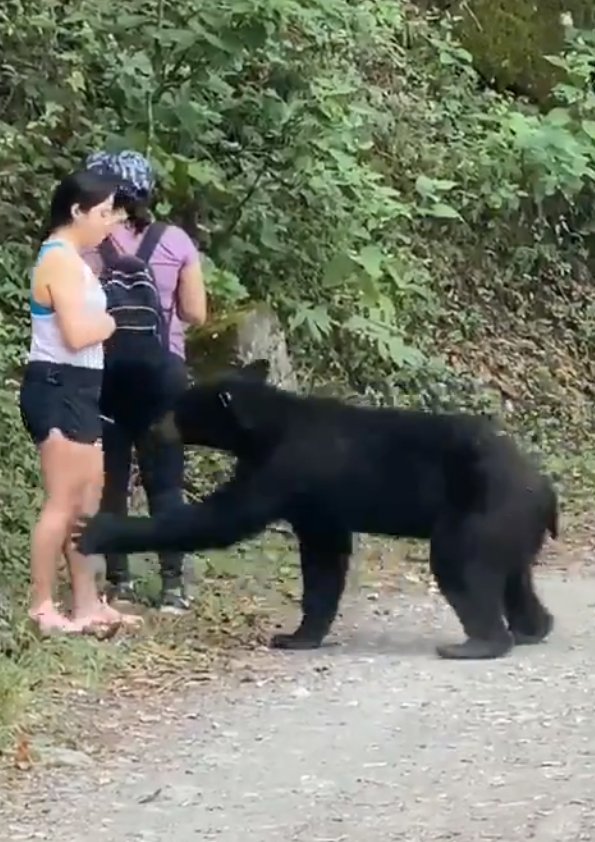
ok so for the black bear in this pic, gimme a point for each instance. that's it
(330, 469)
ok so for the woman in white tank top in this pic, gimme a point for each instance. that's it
(60, 396)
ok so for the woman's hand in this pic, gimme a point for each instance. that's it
(110, 325)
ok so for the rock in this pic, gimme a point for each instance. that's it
(71, 758)
(509, 39)
(254, 332)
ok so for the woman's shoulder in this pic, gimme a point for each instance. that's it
(174, 233)
(178, 243)
(54, 254)
(173, 241)
(57, 269)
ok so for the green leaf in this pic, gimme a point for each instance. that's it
(198, 171)
(558, 61)
(424, 186)
(443, 211)
(370, 259)
(588, 127)
(558, 116)
(269, 236)
(338, 270)
(401, 353)
(428, 187)
(444, 184)
(316, 320)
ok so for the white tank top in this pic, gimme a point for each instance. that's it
(47, 343)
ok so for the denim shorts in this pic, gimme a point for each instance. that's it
(64, 398)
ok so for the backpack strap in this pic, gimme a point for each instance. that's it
(170, 318)
(108, 253)
(150, 240)
(144, 252)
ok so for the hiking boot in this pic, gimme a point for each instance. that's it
(174, 600)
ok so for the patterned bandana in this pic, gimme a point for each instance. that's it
(132, 168)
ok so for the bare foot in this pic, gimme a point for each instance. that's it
(96, 626)
(50, 621)
(93, 619)
(103, 621)
(125, 619)
(133, 621)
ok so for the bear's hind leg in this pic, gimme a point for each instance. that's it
(528, 620)
(324, 562)
(475, 591)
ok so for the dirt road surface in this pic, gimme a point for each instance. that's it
(371, 740)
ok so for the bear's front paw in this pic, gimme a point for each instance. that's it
(295, 641)
(95, 535)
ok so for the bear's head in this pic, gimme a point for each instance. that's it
(230, 411)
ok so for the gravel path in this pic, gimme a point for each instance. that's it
(369, 741)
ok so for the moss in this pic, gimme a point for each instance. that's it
(509, 39)
(253, 332)
(214, 347)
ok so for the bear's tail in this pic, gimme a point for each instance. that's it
(469, 461)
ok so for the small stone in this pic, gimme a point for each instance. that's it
(57, 756)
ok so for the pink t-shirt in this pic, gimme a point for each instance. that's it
(174, 250)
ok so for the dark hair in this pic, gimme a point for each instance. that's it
(83, 188)
(137, 210)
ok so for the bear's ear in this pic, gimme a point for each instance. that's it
(256, 370)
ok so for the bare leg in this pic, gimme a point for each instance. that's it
(45, 553)
(89, 610)
(48, 537)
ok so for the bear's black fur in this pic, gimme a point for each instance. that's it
(331, 469)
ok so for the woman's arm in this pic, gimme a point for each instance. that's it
(191, 298)
(191, 294)
(58, 283)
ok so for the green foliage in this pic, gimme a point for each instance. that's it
(340, 160)
(260, 119)
(554, 153)
(301, 143)
(19, 486)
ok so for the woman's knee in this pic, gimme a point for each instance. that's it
(57, 516)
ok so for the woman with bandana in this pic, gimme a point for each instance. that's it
(176, 267)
